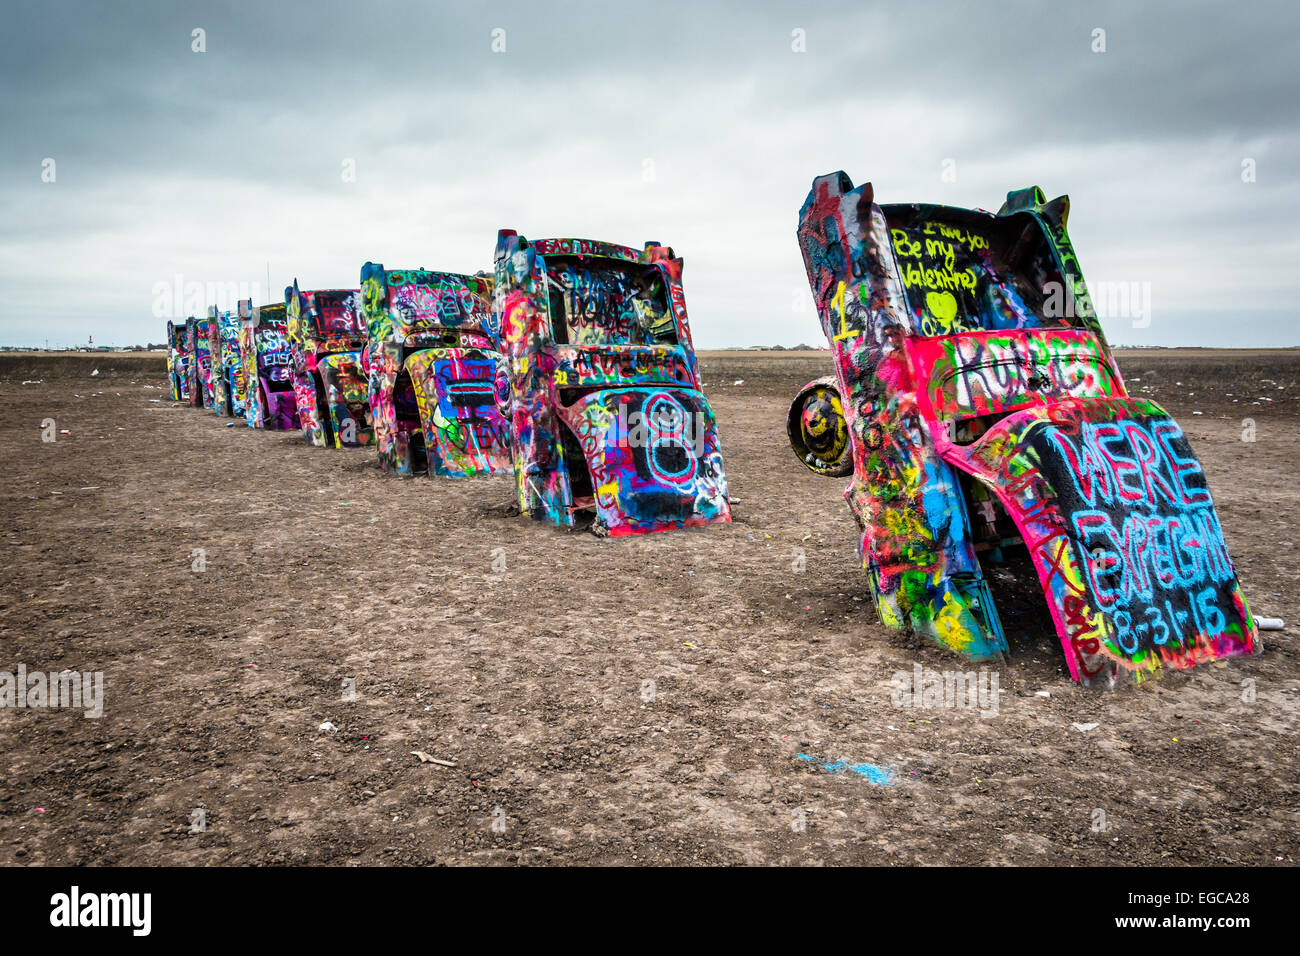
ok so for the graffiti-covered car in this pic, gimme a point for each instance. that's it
(227, 363)
(433, 372)
(268, 367)
(179, 358)
(205, 354)
(327, 335)
(606, 411)
(199, 342)
(987, 416)
(211, 331)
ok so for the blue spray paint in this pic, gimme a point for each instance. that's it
(881, 776)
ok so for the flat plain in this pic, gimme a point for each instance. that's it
(679, 698)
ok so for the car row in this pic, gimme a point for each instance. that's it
(569, 367)
(975, 403)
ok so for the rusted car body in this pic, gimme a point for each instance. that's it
(268, 367)
(433, 372)
(606, 411)
(986, 415)
(327, 335)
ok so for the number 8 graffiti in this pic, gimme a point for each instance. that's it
(671, 455)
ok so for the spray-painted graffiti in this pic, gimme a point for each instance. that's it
(232, 364)
(178, 361)
(216, 389)
(609, 306)
(327, 336)
(433, 367)
(983, 373)
(982, 414)
(202, 337)
(606, 412)
(455, 393)
(227, 365)
(1132, 553)
(268, 368)
(347, 398)
(194, 371)
(817, 430)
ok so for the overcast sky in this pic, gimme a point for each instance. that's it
(697, 125)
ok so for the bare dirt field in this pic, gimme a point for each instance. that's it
(535, 680)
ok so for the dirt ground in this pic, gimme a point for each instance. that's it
(535, 680)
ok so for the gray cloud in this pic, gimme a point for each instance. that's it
(692, 124)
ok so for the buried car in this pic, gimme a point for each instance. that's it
(268, 367)
(199, 337)
(433, 372)
(179, 358)
(605, 405)
(987, 418)
(327, 336)
(227, 365)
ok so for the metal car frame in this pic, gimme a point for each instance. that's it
(179, 359)
(268, 367)
(434, 372)
(327, 335)
(986, 412)
(227, 364)
(199, 339)
(607, 415)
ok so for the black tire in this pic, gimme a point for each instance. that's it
(818, 430)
